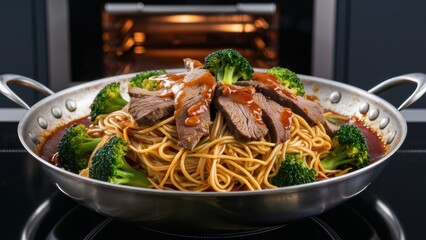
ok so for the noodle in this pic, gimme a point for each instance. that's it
(219, 162)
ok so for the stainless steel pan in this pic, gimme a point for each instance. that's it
(210, 211)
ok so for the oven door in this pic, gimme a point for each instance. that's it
(137, 36)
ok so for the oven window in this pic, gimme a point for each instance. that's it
(111, 38)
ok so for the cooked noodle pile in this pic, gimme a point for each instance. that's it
(219, 162)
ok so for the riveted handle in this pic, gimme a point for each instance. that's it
(418, 78)
(5, 79)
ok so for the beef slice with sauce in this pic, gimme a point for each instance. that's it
(192, 107)
(147, 107)
(239, 115)
(309, 110)
(276, 117)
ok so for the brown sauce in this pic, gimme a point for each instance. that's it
(198, 108)
(209, 84)
(192, 121)
(171, 84)
(313, 98)
(167, 94)
(175, 77)
(286, 118)
(272, 82)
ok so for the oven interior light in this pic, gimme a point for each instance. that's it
(132, 42)
(138, 50)
(236, 27)
(139, 37)
(128, 43)
(184, 18)
(193, 18)
(260, 44)
(261, 23)
(127, 25)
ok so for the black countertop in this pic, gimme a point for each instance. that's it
(23, 187)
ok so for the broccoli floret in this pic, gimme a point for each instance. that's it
(109, 164)
(293, 171)
(228, 66)
(142, 80)
(288, 79)
(75, 147)
(349, 149)
(108, 100)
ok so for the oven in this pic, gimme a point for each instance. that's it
(91, 40)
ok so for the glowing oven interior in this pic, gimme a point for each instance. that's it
(139, 37)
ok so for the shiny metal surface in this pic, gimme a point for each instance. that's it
(418, 78)
(210, 211)
(5, 79)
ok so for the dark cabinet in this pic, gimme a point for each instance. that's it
(22, 45)
(380, 39)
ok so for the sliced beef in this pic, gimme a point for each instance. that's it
(239, 116)
(276, 117)
(146, 110)
(192, 107)
(142, 92)
(147, 107)
(311, 111)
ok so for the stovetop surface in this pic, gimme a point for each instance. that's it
(399, 189)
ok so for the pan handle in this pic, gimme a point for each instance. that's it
(13, 78)
(418, 78)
